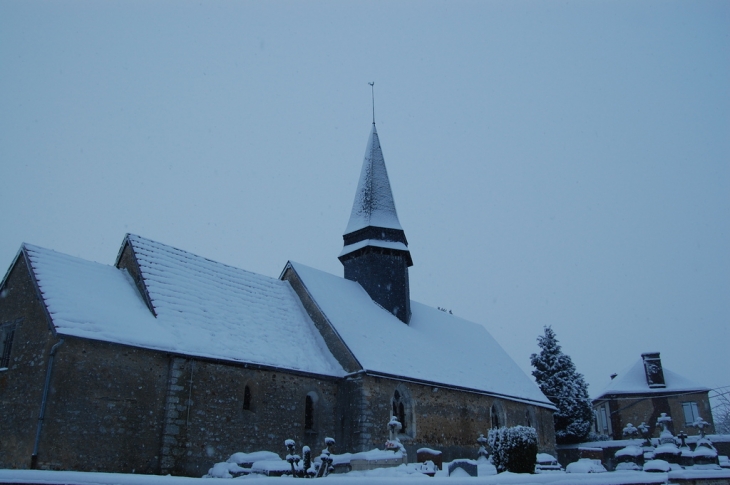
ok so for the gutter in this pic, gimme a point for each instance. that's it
(41, 416)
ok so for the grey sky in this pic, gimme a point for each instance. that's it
(553, 163)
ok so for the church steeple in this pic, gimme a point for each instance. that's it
(376, 251)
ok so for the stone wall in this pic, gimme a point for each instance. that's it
(638, 409)
(212, 424)
(105, 408)
(21, 385)
(117, 408)
(443, 419)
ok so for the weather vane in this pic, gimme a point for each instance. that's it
(372, 91)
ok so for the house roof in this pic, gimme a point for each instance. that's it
(204, 309)
(633, 381)
(374, 204)
(434, 347)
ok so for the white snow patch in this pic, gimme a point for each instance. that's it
(204, 308)
(373, 242)
(633, 381)
(468, 356)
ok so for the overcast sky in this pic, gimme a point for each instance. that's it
(553, 163)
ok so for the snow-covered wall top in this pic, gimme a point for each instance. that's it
(374, 204)
(204, 308)
(434, 347)
(633, 381)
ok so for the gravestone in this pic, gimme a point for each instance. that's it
(469, 466)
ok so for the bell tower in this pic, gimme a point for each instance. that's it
(376, 251)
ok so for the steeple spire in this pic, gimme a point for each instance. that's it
(374, 204)
(376, 251)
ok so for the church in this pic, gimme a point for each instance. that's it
(168, 362)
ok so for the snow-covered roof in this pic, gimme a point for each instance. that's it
(203, 308)
(350, 248)
(374, 204)
(633, 381)
(434, 347)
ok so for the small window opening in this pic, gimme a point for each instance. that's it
(528, 421)
(247, 398)
(6, 342)
(496, 421)
(308, 413)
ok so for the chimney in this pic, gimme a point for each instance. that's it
(653, 370)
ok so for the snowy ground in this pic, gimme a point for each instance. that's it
(391, 476)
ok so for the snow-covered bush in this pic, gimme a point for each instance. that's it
(513, 449)
(556, 375)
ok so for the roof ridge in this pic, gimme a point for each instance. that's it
(195, 255)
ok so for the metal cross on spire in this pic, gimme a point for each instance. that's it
(372, 91)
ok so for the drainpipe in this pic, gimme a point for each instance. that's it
(34, 456)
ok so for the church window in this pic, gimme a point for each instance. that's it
(399, 410)
(247, 398)
(310, 412)
(497, 415)
(6, 342)
(402, 409)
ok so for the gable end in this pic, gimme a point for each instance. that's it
(21, 274)
(332, 339)
(126, 259)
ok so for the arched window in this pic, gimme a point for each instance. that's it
(247, 398)
(401, 406)
(399, 410)
(496, 415)
(310, 412)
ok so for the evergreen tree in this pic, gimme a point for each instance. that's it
(556, 375)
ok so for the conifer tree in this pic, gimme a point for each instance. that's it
(556, 375)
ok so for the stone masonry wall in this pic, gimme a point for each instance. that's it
(21, 385)
(639, 409)
(439, 418)
(105, 408)
(118, 408)
(206, 421)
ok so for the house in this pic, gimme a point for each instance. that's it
(643, 392)
(167, 362)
